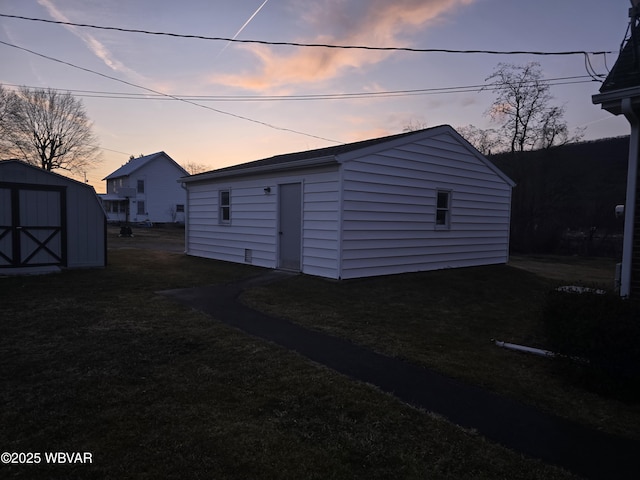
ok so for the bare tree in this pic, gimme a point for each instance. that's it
(523, 111)
(415, 125)
(8, 108)
(50, 130)
(554, 131)
(194, 168)
(486, 141)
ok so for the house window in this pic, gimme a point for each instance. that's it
(179, 208)
(141, 207)
(443, 209)
(224, 210)
(140, 186)
(123, 207)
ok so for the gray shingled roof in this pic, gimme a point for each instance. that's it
(626, 71)
(136, 163)
(309, 154)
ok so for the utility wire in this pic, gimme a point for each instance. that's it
(156, 92)
(312, 45)
(327, 96)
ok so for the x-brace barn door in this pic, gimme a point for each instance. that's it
(32, 225)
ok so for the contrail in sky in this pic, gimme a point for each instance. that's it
(243, 27)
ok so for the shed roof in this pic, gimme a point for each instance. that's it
(28, 166)
(136, 163)
(324, 156)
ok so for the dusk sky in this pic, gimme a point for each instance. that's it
(260, 83)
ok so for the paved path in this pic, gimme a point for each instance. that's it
(518, 427)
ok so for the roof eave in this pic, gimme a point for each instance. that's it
(612, 101)
(280, 167)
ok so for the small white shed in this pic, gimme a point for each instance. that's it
(48, 221)
(416, 201)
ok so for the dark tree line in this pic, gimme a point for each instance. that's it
(565, 197)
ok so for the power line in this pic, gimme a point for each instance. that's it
(110, 150)
(156, 92)
(572, 80)
(313, 45)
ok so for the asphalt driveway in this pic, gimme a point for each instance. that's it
(519, 427)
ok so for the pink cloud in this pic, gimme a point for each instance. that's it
(371, 23)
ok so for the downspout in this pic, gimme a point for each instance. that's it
(340, 220)
(630, 207)
(186, 219)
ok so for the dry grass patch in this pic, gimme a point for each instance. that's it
(569, 270)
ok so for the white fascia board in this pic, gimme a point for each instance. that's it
(612, 101)
(616, 95)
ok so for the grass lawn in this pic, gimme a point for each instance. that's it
(94, 361)
(446, 320)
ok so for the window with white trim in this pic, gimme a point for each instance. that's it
(443, 209)
(141, 210)
(224, 206)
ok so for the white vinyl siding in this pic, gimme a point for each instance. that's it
(253, 225)
(320, 226)
(390, 205)
(255, 219)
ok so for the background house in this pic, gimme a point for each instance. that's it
(416, 201)
(48, 222)
(146, 189)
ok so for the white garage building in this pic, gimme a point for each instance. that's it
(416, 201)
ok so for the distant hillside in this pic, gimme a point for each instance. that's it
(565, 197)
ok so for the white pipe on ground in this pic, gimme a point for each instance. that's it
(522, 348)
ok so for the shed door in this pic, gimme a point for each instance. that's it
(32, 225)
(290, 232)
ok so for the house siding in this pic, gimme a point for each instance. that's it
(254, 220)
(161, 192)
(389, 210)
